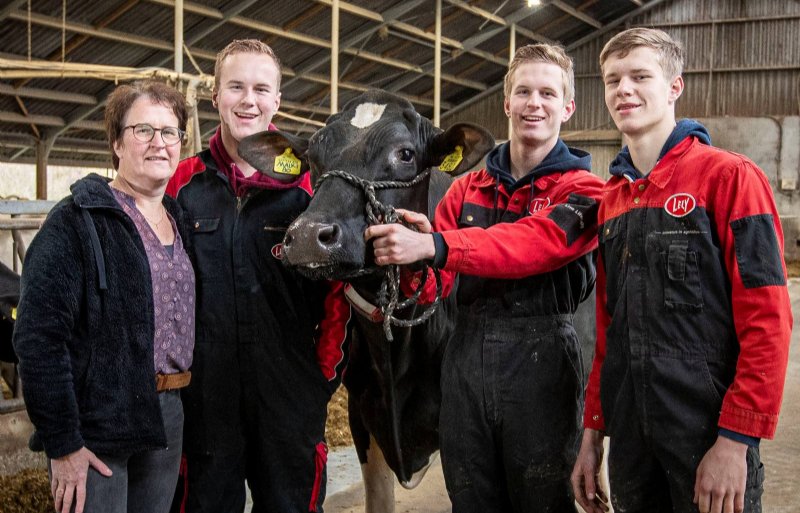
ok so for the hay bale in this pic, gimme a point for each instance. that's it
(337, 428)
(26, 492)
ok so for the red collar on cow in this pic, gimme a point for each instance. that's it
(361, 305)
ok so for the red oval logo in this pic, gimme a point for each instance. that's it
(680, 205)
(538, 204)
(277, 251)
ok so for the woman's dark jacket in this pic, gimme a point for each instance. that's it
(85, 328)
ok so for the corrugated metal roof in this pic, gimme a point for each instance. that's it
(136, 34)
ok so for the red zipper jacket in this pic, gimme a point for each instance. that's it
(535, 226)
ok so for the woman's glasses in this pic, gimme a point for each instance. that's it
(169, 134)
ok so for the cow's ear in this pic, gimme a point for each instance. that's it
(276, 154)
(460, 147)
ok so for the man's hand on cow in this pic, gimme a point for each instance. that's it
(585, 475)
(722, 478)
(419, 221)
(68, 481)
(396, 244)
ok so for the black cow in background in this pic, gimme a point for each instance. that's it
(394, 389)
(9, 297)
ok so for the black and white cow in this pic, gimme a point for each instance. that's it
(394, 390)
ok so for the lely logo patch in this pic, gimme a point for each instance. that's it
(539, 203)
(680, 205)
(277, 251)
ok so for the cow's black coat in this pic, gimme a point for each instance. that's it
(393, 387)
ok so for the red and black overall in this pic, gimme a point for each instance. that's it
(512, 374)
(269, 352)
(693, 318)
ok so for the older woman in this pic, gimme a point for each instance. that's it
(105, 326)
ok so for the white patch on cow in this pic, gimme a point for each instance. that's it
(378, 481)
(418, 475)
(367, 114)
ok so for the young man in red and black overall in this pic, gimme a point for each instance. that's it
(270, 345)
(520, 234)
(693, 312)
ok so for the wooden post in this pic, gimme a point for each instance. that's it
(437, 66)
(178, 36)
(43, 147)
(334, 56)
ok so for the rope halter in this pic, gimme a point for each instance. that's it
(378, 213)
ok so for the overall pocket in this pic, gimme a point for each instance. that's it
(682, 289)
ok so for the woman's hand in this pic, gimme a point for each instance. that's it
(68, 481)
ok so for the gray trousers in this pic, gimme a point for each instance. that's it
(142, 482)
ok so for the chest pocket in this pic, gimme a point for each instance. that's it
(682, 289)
(206, 225)
(615, 256)
(207, 246)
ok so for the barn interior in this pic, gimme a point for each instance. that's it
(60, 59)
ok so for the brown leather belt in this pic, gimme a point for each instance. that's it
(166, 382)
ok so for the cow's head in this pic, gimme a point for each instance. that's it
(377, 137)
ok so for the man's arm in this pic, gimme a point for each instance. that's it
(586, 473)
(546, 240)
(541, 242)
(751, 238)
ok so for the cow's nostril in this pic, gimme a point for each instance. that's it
(328, 234)
(287, 240)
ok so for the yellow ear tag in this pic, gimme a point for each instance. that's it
(14, 313)
(452, 161)
(287, 163)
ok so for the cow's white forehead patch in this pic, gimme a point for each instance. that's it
(367, 114)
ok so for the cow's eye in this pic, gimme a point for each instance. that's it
(405, 155)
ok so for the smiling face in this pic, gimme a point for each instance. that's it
(247, 97)
(639, 97)
(147, 165)
(537, 105)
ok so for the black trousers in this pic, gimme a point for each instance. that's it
(259, 419)
(512, 397)
(665, 412)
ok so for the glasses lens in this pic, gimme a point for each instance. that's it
(143, 132)
(171, 135)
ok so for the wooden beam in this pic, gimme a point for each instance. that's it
(576, 13)
(107, 34)
(477, 11)
(54, 121)
(24, 110)
(47, 94)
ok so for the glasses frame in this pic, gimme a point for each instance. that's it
(182, 133)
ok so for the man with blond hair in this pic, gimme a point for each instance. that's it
(270, 344)
(520, 233)
(693, 312)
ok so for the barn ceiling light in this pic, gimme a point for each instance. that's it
(534, 3)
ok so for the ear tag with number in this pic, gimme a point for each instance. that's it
(14, 313)
(287, 163)
(452, 161)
